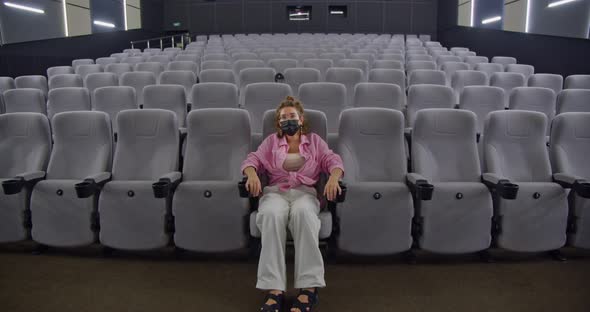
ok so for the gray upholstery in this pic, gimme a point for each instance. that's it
(81, 150)
(515, 149)
(526, 70)
(334, 56)
(395, 76)
(427, 76)
(414, 65)
(188, 57)
(244, 56)
(215, 65)
(327, 97)
(573, 100)
(104, 61)
(213, 224)
(504, 60)
(474, 60)
(254, 75)
(354, 63)
(59, 70)
(25, 144)
(482, 100)
(152, 67)
(67, 100)
(217, 75)
(168, 97)
(348, 77)
(183, 65)
(182, 78)
(489, 68)
(427, 96)
(534, 99)
(280, 65)
(570, 144)
(448, 58)
(162, 59)
(295, 77)
(130, 216)
(419, 57)
(393, 57)
(214, 95)
(464, 78)
(119, 56)
(24, 100)
(371, 144)
(320, 64)
(119, 68)
(138, 80)
(85, 70)
(216, 57)
(6, 83)
(450, 68)
(376, 94)
(112, 100)
(262, 96)
(369, 57)
(577, 82)
(267, 56)
(243, 64)
(507, 81)
(78, 62)
(33, 81)
(98, 80)
(388, 64)
(444, 152)
(66, 80)
(551, 81)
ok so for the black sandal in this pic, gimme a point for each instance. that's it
(312, 298)
(275, 307)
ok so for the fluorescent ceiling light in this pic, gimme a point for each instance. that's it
(125, 13)
(558, 3)
(472, 12)
(65, 18)
(23, 7)
(491, 20)
(337, 12)
(104, 24)
(528, 15)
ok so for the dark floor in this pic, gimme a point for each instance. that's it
(86, 281)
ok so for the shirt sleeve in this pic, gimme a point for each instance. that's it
(257, 159)
(328, 159)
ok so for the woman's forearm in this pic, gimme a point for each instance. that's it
(249, 171)
(336, 173)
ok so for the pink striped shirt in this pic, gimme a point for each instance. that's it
(271, 155)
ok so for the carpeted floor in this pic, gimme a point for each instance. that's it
(85, 281)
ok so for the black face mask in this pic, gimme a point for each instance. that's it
(290, 127)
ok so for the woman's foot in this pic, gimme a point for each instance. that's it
(306, 300)
(273, 301)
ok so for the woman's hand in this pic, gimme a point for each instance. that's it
(253, 184)
(332, 189)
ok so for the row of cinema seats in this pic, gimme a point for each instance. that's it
(74, 192)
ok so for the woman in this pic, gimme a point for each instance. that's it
(293, 159)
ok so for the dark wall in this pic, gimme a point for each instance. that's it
(268, 16)
(549, 54)
(19, 26)
(110, 11)
(152, 15)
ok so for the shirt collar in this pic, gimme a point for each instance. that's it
(304, 140)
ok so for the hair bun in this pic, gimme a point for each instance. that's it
(290, 98)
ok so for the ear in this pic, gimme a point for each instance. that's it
(301, 119)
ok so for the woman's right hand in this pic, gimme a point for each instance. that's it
(253, 184)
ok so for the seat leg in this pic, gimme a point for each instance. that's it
(557, 255)
(39, 249)
(410, 257)
(485, 256)
(107, 251)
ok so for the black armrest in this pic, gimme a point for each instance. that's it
(340, 198)
(92, 185)
(582, 188)
(16, 185)
(166, 185)
(502, 187)
(420, 187)
(242, 188)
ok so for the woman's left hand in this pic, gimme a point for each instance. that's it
(332, 189)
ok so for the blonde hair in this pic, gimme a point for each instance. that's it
(290, 101)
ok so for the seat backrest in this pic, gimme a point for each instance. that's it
(59, 70)
(482, 100)
(295, 77)
(280, 65)
(153, 67)
(183, 78)
(243, 64)
(395, 76)
(215, 65)
(67, 100)
(78, 62)
(316, 121)
(85, 70)
(577, 82)
(414, 65)
(474, 60)
(515, 147)
(507, 81)
(526, 70)
(216, 57)
(25, 143)
(262, 96)
(388, 64)
(119, 56)
(449, 68)
(377, 94)
(6, 83)
(217, 75)
(66, 80)
(327, 97)
(489, 68)
(183, 65)
(444, 147)
(82, 145)
(162, 59)
(97, 80)
(214, 95)
(334, 56)
(33, 81)
(371, 144)
(504, 60)
(148, 144)
(218, 141)
(392, 57)
(112, 100)
(189, 57)
(447, 58)
(349, 77)
(534, 99)
(119, 68)
(320, 64)
(168, 97)
(419, 57)
(427, 76)
(26, 100)
(244, 56)
(573, 100)
(104, 61)
(464, 78)
(138, 80)
(551, 81)
(427, 96)
(266, 56)
(570, 144)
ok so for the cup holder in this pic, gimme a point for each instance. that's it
(507, 190)
(340, 198)
(161, 189)
(424, 191)
(13, 186)
(85, 189)
(242, 188)
(582, 189)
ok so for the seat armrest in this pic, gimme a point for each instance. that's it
(166, 185)
(500, 185)
(242, 188)
(15, 185)
(340, 198)
(419, 186)
(92, 184)
(579, 185)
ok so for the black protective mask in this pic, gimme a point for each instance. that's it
(290, 127)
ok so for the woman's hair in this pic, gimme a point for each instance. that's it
(290, 101)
